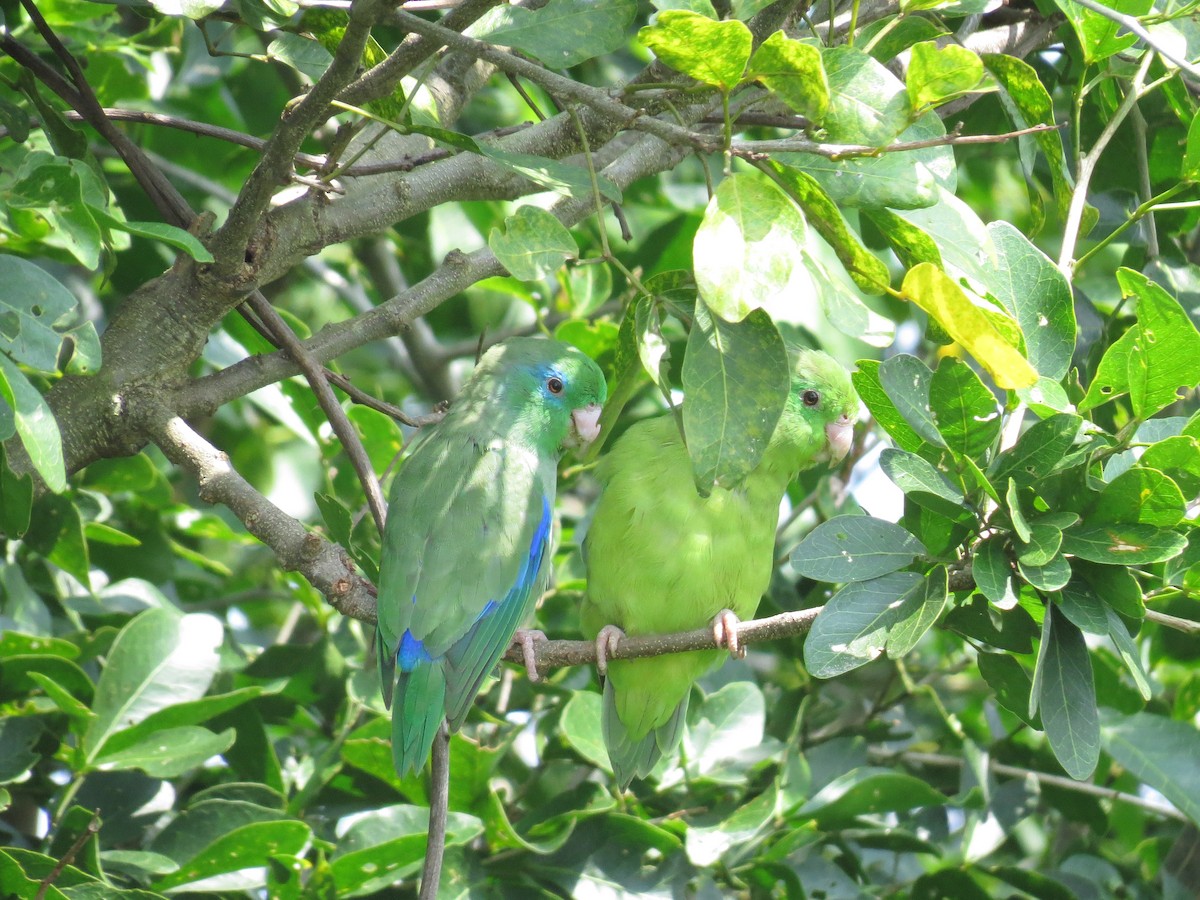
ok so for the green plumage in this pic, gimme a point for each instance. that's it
(661, 558)
(466, 545)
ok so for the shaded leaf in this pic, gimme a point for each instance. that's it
(854, 548)
(735, 381)
(1066, 696)
(853, 627)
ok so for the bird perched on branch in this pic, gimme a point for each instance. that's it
(466, 546)
(662, 558)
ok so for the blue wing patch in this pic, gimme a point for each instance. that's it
(411, 652)
(477, 651)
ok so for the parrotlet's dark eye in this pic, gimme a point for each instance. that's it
(811, 398)
(555, 384)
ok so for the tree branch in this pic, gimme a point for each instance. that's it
(231, 244)
(324, 564)
(1058, 781)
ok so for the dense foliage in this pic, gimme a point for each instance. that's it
(999, 695)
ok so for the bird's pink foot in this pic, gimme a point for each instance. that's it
(606, 644)
(724, 629)
(526, 638)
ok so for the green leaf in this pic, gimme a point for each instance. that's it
(580, 727)
(18, 735)
(922, 483)
(854, 548)
(1123, 545)
(56, 188)
(1099, 36)
(937, 74)
(907, 382)
(1037, 295)
(1191, 156)
(1011, 684)
(1041, 547)
(964, 411)
(1028, 103)
(159, 659)
(229, 854)
(158, 231)
(868, 791)
(382, 844)
(887, 38)
(735, 380)
(868, 385)
(1163, 753)
(1039, 451)
(561, 34)
(1177, 457)
(745, 249)
(937, 294)
(912, 245)
(565, 178)
(533, 245)
(728, 727)
(36, 312)
(1164, 361)
(1139, 496)
(1129, 652)
(869, 273)
(1048, 577)
(867, 103)
(16, 497)
(34, 422)
(853, 627)
(1112, 375)
(707, 844)
(652, 349)
(714, 53)
(1066, 695)
(168, 753)
(918, 613)
(308, 57)
(793, 71)
(993, 573)
(56, 532)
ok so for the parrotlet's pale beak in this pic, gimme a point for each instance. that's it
(585, 425)
(841, 436)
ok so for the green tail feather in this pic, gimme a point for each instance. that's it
(632, 758)
(420, 697)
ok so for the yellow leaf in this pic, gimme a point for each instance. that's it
(935, 292)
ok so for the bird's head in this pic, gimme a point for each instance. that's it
(821, 408)
(553, 389)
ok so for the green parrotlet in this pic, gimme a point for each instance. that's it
(466, 546)
(662, 558)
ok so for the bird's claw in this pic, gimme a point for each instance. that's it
(724, 629)
(606, 644)
(526, 638)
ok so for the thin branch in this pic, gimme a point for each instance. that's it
(1087, 165)
(231, 243)
(1058, 781)
(1137, 28)
(93, 826)
(315, 374)
(169, 202)
(324, 564)
(552, 654)
(439, 802)
(1187, 626)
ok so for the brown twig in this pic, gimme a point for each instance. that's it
(439, 801)
(314, 372)
(93, 826)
